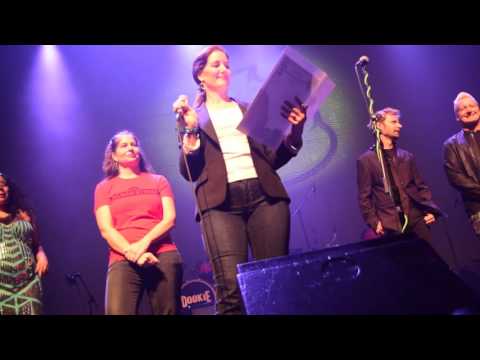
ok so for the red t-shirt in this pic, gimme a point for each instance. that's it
(136, 207)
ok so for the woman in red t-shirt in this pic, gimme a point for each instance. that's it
(135, 211)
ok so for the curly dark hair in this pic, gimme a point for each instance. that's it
(16, 201)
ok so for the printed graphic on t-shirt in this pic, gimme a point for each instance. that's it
(134, 191)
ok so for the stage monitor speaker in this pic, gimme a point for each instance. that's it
(383, 276)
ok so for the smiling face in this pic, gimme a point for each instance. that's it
(216, 73)
(4, 190)
(127, 151)
(467, 111)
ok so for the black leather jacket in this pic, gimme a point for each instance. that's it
(462, 167)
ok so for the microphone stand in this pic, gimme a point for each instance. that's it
(332, 241)
(450, 243)
(373, 120)
(90, 298)
(298, 212)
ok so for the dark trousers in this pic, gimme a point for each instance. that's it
(127, 282)
(420, 230)
(416, 225)
(247, 217)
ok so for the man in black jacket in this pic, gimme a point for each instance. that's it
(462, 156)
(403, 201)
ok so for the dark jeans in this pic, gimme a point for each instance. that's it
(126, 283)
(247, 217)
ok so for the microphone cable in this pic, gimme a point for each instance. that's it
(206, 243)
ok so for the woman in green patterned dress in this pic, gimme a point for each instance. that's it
(22, 260)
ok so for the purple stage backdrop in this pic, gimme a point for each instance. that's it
(61, 104)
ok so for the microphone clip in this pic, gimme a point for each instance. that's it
(363, 61)
(179, 115)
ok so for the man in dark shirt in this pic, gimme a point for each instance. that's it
(402, 202)
(462, 156)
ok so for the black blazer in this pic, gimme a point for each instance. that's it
(208, 169)
(375, 204)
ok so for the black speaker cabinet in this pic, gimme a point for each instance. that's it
(384, 276)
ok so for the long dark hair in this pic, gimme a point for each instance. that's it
(16, 201)
(198, 65)
(110, 167)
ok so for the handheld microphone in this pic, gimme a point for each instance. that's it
(363, 61)
(179, 115)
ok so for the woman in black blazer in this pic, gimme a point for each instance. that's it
(240, 197)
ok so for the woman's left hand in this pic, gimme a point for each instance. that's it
(42, 263)
(147, 259)
(296, 115)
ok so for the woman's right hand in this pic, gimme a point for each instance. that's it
(189, 116)
(134, 251)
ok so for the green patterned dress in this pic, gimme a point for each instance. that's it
(20, 287)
